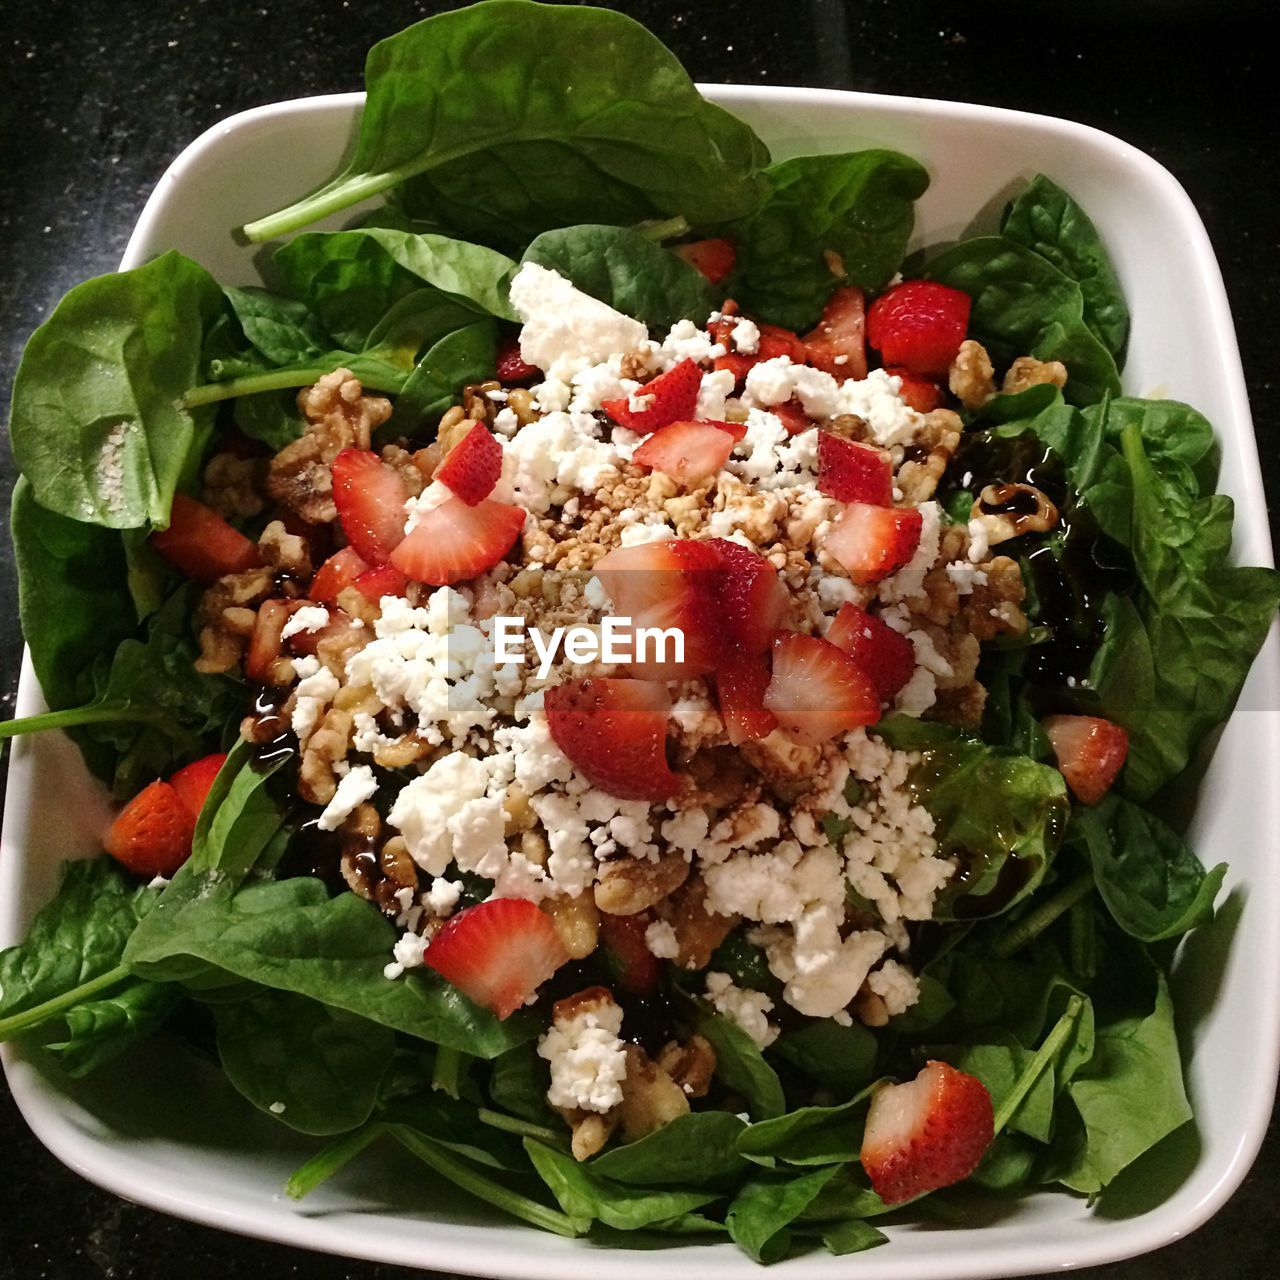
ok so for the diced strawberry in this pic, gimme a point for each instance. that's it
(265, 642)
(472, 467)
(851, 471)
(774, 341)
(753, 602)
(792, 416)
(721, 328)
(838, 344)
(670, 397)
(921, 394)
(816, 690)
(454, 542)
(711, 258)
(192, 781)
(639, 970)
(615, 732)
(337, 573)
(512, 366)
(920, 325)
(741, 682)
(927, 1133)
(497, 953)
(886, 655)
(385, 580)
(688, 451)
(202, 544)
(370, 498)
(873, 542)
(1090, 752)
(153, 832)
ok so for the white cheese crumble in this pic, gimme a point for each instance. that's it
(355, 787)
(749, 1009)
(588, 1060)
(305, 620)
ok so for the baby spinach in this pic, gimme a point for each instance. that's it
(281, 330)
(762, 1212)
(839, 1058)
(466, 355)
(518, 1084)
(853, 1236)
(740, 1066)
(809, 1135)
(509, 154)
(694, 1150)
(102, 1029)
(999, 1062)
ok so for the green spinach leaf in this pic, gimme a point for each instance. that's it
(467, 355)
(281, 330)
(839, 1058)
(762, 1212)
(693, 1150)
(740, 1066)
(852, 1237)
(809, 1135)
(100, 1030)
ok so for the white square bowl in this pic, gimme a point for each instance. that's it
(167, 1133)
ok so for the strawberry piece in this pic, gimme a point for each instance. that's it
(774, 341)
(385, 580)
(1090, 752)
(920, 325)
(265, 642)
(792, 416)
(753, 602)
(886, 655)
(741, 682)
(192, 781)
(153, 832)
(688, 451)
(472, 467)
(711, 258)
(497, 953)
(513, 368)
(927, 1133)
(838, 344)
(202, 544)
(850, 471)
(873, 542)
(615, 732)
(454, 542)
(370, 498)
(670, 397)
(817, 690)
(921, 394)
(337, 573)
(639, 971)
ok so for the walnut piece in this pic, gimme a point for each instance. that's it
(225, 618)
(1027, 371)
(650, 1097)
(971, 376)
(628, 886)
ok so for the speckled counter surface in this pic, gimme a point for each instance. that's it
(99, 95)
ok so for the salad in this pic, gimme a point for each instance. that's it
(620, 680)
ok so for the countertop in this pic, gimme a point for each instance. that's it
(99, 96)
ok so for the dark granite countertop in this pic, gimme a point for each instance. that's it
(99, 96)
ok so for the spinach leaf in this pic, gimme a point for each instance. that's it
(693, 1150)
(272, 417)
(764, 1209)
(824, 221)
(809, 1135)
(316, 1069)
(518, 1084)
(467, 355)
(459, 1127)
(740, 1066)
(852, 1237)
(100, 1030)
(629, 272)
(97, 423)
(999, 1063)
(839, 1058)
(511, 154)
(1045, 219)
(280, 329)
(1173, 435)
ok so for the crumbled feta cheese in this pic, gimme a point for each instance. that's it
(434, 495)
(312, 695)
(305, 620)
(715, 389)
(588, 1060)
(746, 336)
(355, 787)
(558, 455)
(896, 985)
(749, 1009)
(445, 814)
(442, 897)
(686, 341)
(657, 530)
(660, 938)
(770, 457)
(979, 547)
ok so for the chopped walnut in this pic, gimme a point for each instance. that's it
(285, 552)
(1010, 510)
(1027, 371)
(415, 469)
(972, 376)
(225, 618)
(577, 921)
(936, 439)
(650, 1097)
(870, 1009)
(698, 931)
(691, 1065)
(590, 1129)
(329, 743)
(628, 886)
(233, 486)
(787, 766)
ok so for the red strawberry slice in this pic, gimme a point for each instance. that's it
(838, 344)
(202, 544)
(886, 655)
(711, 258)
(370, 498)
(152, 835)
(920, 325)
(1090, 752)
(927, 1133)
(615, 732)
(817, 690)
(689, 451)
(192, 781)
(338, 572)
(454, 542)
(753, 602)
(872, 542)
(741, 682)
(774, 341)
(513, 368)
(854, 472)
(670, 397)
(792, 416)
(385, 580)
(639, 970)
(921, 394)
(472, 467)
(497, 953)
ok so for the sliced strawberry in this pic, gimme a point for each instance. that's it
(1090, 752)
(920, 325)
(385, 580)
(454, 542)
(192, 781)
(816, 690)
(472, 467)
(774, 341)
(838, 344)
(886, 655)
(615, 732)
(265, 642)
(152, 835)
(497, 953)
(688, 451)
(711, 258)
(792, 416)
(513, 369)
(753, 602)
(670, 397)
(202, 544)
(854, 472)
(927, 1133)
(337, 573)
(639, 970)
(873, 542)
(921, 394)
(741, 682)
(370, 498)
